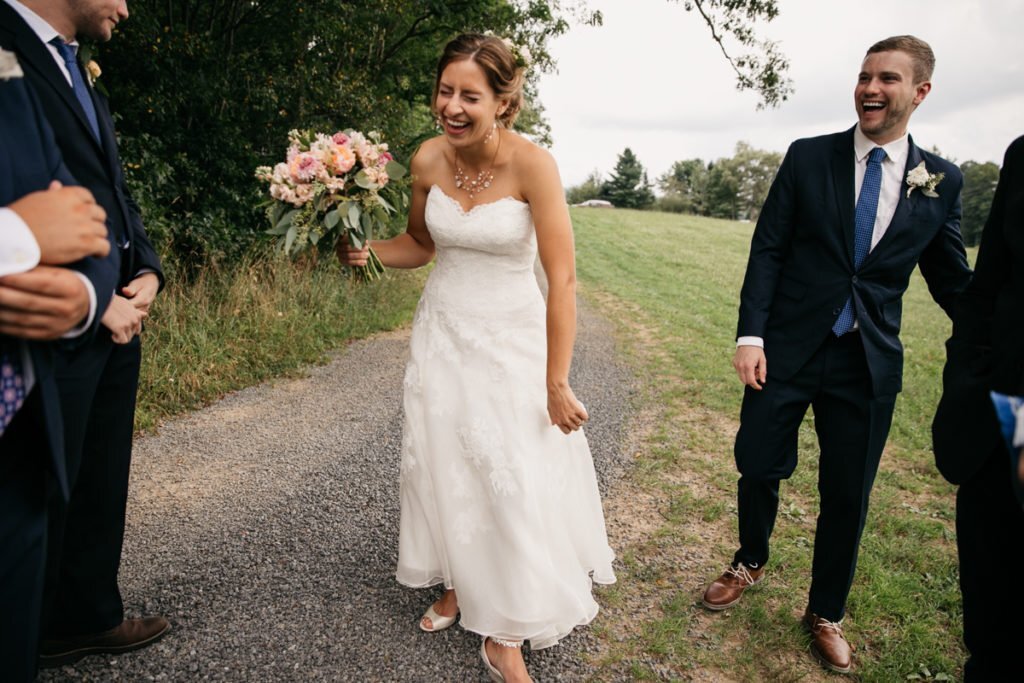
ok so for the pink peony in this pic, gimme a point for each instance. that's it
(344, 159)
(339, 138)
(305, 168)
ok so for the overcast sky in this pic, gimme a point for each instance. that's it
(652, 79)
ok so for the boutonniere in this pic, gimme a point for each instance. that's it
(920, 179)
(9, 66)
(92, 69)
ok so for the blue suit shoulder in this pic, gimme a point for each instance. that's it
(936, 164)
(820, 143)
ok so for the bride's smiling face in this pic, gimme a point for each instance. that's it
(466, 104)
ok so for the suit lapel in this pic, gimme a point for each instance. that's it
(842, 178)
(38, 57)
(905, 207)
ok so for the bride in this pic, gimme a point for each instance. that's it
(499, 500)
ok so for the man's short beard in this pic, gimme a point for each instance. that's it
(83, 21)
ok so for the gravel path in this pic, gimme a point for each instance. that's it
(265, 528)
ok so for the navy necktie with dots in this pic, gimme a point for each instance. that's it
(67, 53)
(864, 227)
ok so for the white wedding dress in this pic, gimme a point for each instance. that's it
(496, 502)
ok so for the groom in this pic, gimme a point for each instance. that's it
(83, 609)
(842, 229)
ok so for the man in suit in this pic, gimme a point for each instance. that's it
(983, 355)
(83, 610)
(831, 256)
(41, 305)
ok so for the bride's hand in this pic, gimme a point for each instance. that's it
(565, 410)
(350, 256)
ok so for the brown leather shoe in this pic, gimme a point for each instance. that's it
(727, 589)
(130, 634)
(828, 643)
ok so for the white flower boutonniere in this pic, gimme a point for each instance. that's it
(919, 178)
(94, 71)
(9, 66)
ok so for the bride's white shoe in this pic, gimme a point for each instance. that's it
(491, 669)
(437, 622)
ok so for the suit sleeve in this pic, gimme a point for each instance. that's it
(972, 324)
(146, 258)
(102, 273)
(965, 424)
(943, 262)
(768, 249)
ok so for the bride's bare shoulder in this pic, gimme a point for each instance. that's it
(530, 159)
(430, 157)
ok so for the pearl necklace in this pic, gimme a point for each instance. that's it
(483, 179)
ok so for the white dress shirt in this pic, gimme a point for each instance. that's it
(45, 32)
(893, 166)
(19, 252)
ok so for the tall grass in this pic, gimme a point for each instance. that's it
(232, 327)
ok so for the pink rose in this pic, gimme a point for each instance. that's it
(339, 138)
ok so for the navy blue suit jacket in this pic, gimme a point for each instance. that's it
(801, 267)
(984, 352)
(29, 161)
(95, 164)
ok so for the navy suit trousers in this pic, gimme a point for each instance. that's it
(851, 424)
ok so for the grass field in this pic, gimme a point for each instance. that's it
(673, 284)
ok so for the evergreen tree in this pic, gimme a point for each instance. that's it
(628, 186)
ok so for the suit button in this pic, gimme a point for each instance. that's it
(836, 311)
(854, 279)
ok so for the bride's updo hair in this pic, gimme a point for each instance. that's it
(502, 69)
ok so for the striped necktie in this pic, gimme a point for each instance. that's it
(864, 227)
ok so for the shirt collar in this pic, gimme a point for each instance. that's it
(39, 25)
(895, 151)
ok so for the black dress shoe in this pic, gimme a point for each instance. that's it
(130, 634)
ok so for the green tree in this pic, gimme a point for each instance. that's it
(980, 181)
(721, 195)
(207, 91)
(628, 186)
(590, 188)
(754, 170)
(734, 23)
(684, 187)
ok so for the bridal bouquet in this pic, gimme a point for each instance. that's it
(333, 187)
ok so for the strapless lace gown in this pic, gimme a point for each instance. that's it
(495, 502)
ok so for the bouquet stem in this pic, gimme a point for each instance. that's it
(371, 271)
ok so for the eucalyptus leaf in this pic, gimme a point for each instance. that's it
(367, 222)
(354, 240)
(394, 170)
(331, 219)
(354, 213)
(286, 220)
(363, 181)
(383, 202)
(290, 239)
